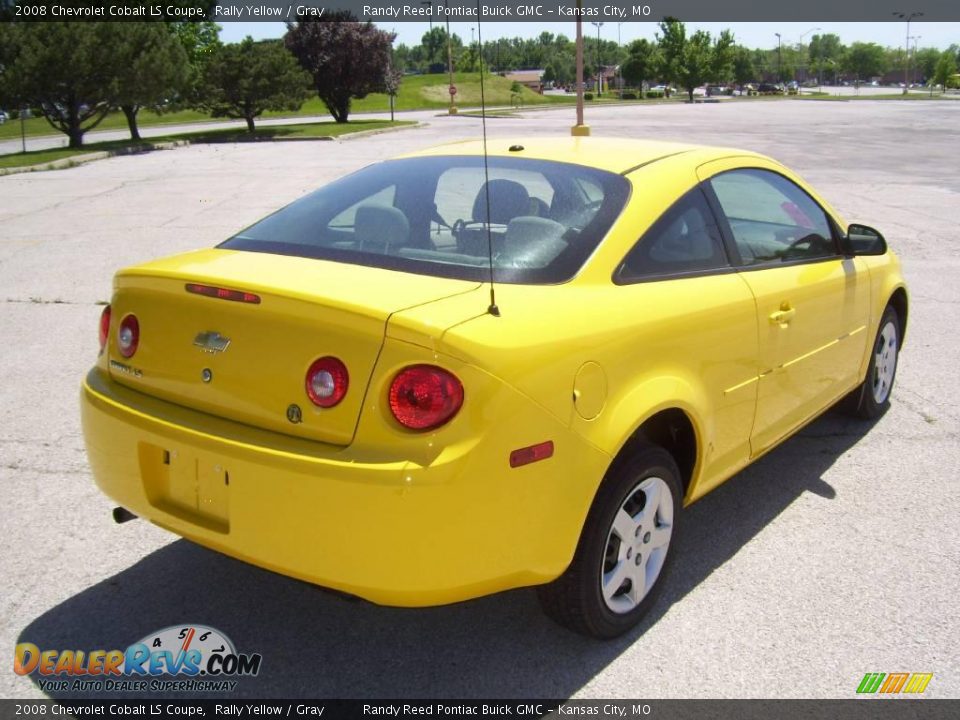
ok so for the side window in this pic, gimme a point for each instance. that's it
(771, 218)
(684, 240)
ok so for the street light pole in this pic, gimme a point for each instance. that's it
(430, 3)
(779, 61)
(916, 46)
(802, 36)
(599, 69)
(906, 62)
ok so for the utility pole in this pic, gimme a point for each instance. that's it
(580, 130)
(619, 72)
(453, 88)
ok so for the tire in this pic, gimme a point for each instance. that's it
(872, 398)
(624, 539)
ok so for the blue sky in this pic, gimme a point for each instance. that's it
(892, 34)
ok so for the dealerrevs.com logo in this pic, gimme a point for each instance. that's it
(200, 657)
(894, 683)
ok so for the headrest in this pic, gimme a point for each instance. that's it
(508, 199)
(378, 228)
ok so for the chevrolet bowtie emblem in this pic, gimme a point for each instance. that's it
(211, 342)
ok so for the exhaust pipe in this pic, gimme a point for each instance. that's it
(122, 515)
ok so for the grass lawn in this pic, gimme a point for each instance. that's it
(278, 132)
(10, 130)
(884, 96)
(417, 92)
(285, 132)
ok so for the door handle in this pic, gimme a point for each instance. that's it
(783, 316)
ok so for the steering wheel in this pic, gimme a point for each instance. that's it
(807, 240)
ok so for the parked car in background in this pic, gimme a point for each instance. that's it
(3, 117)
(454, 373)
(717, 90)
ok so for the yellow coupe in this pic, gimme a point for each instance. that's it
(451, 374)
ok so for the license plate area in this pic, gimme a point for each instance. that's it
(182, 484)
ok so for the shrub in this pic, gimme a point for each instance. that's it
(588, 96)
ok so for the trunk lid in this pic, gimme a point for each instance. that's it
(248, 361)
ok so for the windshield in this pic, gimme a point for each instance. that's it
(429, 216)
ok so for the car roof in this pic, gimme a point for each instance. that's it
(619, 155)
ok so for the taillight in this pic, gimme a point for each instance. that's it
(327, 382)
(128, 335)
(104, 327)
(423, 397)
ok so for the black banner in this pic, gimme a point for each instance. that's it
(512, 11)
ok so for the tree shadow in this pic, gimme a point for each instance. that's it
(320, 644)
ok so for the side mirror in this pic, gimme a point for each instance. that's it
(864, 240)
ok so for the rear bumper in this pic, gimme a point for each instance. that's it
(459, 524)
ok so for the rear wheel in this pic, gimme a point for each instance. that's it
(624, 550)
(872, 398)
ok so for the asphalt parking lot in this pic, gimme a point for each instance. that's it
(836, 555)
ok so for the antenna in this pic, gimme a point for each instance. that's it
(493, 309)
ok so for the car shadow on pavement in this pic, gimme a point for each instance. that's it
(319, 644)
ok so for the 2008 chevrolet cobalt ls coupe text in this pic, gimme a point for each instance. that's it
(338, 393)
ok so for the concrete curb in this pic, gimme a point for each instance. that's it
(379, 131)
(69, 162)
(147, 146)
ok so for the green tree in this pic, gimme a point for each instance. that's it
(199, 41)
(926, 62)
(865, 60)
(152, 68)
(434, 43)
(7, 56)
(945, 70)
(690, 62)
(346, 58)
(68, 70)
(560, 70)
(743, 69)
(825, 52)
(641, 64)
(243, 80)
(722, 58)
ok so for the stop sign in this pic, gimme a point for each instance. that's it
(453, 90)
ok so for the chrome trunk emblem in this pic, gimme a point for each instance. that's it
(294, 414)
(211, 341)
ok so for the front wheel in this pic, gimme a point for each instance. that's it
(872, 398)
(624, 550)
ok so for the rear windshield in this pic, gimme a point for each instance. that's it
(430, 216)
